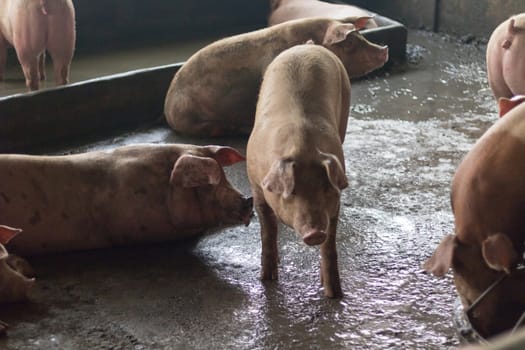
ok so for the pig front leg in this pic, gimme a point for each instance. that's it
(329, 270)
(269, 254)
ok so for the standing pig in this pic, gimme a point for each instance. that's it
(133, 194)
(505, 58)
(215, 92)
(295, 158)
(32, 27)
(286, 10)
(488, 192)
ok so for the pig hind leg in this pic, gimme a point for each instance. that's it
(269, 254)
(329, 270)
(61, 45)
(3, 57)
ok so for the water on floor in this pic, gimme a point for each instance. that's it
(409, 128)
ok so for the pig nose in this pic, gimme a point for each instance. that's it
(314, 237)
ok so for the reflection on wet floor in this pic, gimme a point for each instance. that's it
(408, 130)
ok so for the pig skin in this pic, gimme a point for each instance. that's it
(286, 10)
(215, 92)
(132, 194)
(505, 63)
(488, 192)
(32, 27)
(295, 158)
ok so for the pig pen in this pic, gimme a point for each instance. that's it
(410, 125)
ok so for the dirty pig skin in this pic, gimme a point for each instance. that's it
(286, 10)
(295, 158)
(505, 53)
(487, 196)
(32, 27)
(215, 91)
(132, 194)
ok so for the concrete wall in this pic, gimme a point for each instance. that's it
(476, 17)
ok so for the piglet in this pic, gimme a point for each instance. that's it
(295, 158)
(32, 27)
(215, 92)
(15, 274)
(132, 194)
(286, 10)
(505, 63)
(487, 201)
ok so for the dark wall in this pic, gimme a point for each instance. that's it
(103, 23)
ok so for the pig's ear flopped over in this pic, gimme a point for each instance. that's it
(7, 233)
(334, 170)
(194, 171)
(439, 263)
(225, 155)
(281, 178)
(499, 253)
(337, 32)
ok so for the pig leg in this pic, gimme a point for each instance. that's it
(42, 66)
(269, 254)
(329, 270)
(3, 57)
(61, 44)
(30, 68)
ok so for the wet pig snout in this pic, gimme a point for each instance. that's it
(314, 237)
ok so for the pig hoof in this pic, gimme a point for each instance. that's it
(314, 238)
(333, 293)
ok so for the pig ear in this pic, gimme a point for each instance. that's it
(499, 253)
(225, 155)
(506, 104)
(337, 33)
(280, 179)
(359, 22)
(334, 170)
(7, 233)
(193, 171)
(439, 263)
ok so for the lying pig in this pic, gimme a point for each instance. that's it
(133, 194)
(487, 200)
(14, 280)
(294, 156)
(215, 92)
(505, 64)
(32, 27)
(286, 10)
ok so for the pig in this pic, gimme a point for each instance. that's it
(286, 10)
(487, 195)
(32, 27)
(132, 194)
(294, 155)
(215, 91)
(15, 281)
(505, 64)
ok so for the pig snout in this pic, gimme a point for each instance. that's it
(314, 237)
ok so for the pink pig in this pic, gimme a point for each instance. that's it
(505, 64)
(32, 27)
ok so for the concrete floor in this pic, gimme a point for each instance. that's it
(409, 128)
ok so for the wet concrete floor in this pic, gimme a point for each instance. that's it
(409, 128)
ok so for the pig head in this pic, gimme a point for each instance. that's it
(215, 92)
(505, 64)
(286, 10)
(32, 27)
(487, 202)
(295, 158)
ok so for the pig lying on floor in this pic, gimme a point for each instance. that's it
(33, 27)
(488, 193)
(295, 158)
(286, 10)
(132, 194)
(215, 92)
(15, 274)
